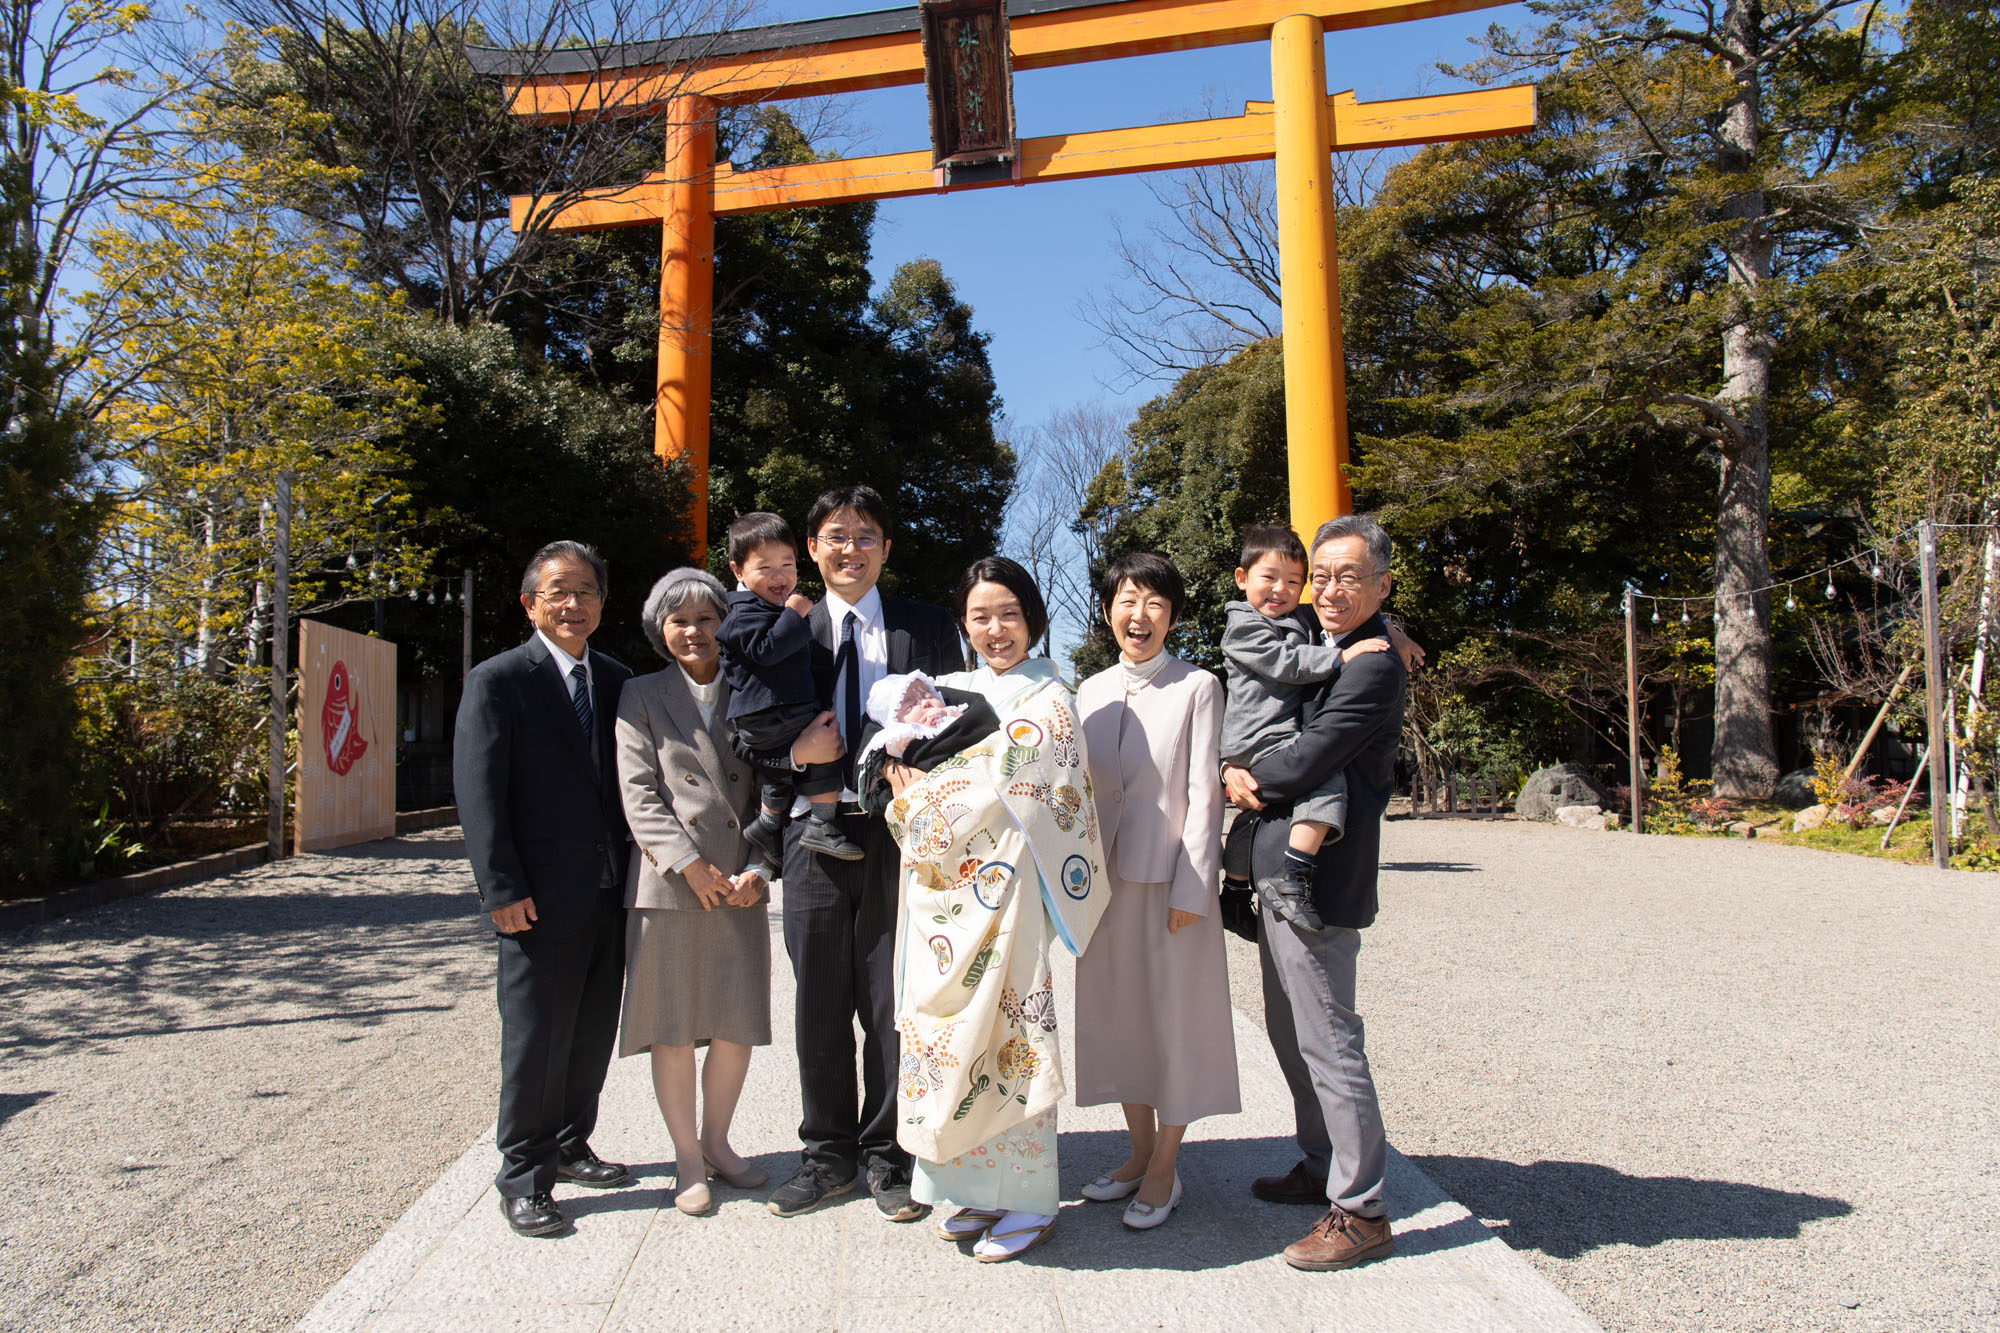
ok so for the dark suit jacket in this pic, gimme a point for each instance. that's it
(1354, 722)
(766, 655)
(921, 638)
(541, 819)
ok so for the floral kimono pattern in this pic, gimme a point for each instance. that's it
(1000, 851)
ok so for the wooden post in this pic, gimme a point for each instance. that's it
(465, 630)
(687, 298)
(1875, 727)
(1934, 695)
(1638, 767)
(281, 616)
(1315, 373)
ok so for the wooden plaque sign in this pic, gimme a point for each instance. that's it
(969, 78)
(347, 738)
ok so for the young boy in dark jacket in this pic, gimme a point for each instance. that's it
(767, 659)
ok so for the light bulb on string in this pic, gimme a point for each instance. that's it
(433, 598)
(447, 594)
(352, 563)
(1790, 603)
(1829, 585)
(1684, 613)
(1656, 613)
(413, 594)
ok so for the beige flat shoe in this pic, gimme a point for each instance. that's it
(752, 1177)
(694, 1198)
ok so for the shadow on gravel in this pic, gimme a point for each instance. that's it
(13, 1103)
(353, 936)
(1565, 1209)
(1432, 867)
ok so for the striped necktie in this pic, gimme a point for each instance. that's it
(580, 700)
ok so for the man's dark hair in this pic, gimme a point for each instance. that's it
(863, 500)
(584, 551)
(999, 569)
(1149, 571)
(1262, 539)
(751, 531)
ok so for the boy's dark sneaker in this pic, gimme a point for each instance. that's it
(824, 836)
(767, 834)
(810, 1186)
(1290, 898)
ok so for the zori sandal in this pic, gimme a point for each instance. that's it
(1013, 1236)
(967, 1223)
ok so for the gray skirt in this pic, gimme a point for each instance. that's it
(696, 977)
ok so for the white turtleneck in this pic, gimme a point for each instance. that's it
(706, 697)
(1137, 675)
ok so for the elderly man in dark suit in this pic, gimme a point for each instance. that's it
(1355, 724)
(840, 916)
(535, 769)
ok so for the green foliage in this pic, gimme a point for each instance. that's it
(816, 385)
(169, 745)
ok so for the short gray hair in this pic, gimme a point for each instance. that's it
(1363, 526)
(531, 579)
(676, 588)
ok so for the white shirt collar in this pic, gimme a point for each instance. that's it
(564, 662)
(869, 608)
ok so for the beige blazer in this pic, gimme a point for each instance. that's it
(685, 790)
(1158, 789)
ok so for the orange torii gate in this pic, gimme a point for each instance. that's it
(686, 80)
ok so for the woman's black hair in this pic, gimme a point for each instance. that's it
(1149, 571)
(999, 569)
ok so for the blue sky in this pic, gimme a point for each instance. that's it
(1023, 258)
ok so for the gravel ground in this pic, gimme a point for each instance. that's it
(1700, 1084)
(224, 1094)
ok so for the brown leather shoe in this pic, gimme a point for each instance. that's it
(1341, 1240)
(1295, 1186)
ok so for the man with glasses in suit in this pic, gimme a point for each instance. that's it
(840, 916)
(535, 772)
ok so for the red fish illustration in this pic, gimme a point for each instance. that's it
(338, 723)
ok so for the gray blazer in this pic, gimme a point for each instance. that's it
(685, 790)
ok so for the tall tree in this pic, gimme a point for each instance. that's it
(76, 126)
(1747, 112)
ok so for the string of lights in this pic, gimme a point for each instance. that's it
(1873, 557)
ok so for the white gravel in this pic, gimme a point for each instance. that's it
(1700, 1084)
(222, 1095)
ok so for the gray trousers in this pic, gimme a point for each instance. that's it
(1309, 1013)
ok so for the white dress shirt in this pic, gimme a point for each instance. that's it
(565, 664)
(871, 648)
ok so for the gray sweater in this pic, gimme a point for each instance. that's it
(1272, 665)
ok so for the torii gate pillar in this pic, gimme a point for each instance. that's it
(687, 300)
(1315, 370)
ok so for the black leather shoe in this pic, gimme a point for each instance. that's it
(592, 1172)
(767, 834)
(824, 836)
(891, 1187)
(535, 1215)
(810, 1186)
(1290, 898)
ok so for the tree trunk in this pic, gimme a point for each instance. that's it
(1745, 757)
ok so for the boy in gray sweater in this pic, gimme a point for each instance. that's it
(1273, 662)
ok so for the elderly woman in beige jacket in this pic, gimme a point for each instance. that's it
(697, 945)
(1154, 1031)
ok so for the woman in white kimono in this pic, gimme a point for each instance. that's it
(1000, 860)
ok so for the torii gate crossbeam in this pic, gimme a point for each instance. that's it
(1301, 127)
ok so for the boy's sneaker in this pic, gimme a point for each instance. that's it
(767, 834)
(824, 836)
(810, 1186)
(1289, 896)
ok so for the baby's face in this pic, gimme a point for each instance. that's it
(924, 711)
(1272, 584)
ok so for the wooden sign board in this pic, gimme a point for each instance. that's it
(969, 81)
(347, 738)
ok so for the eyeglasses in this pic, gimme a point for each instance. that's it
(563, 596)
(1347, 580)
(841, 539)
